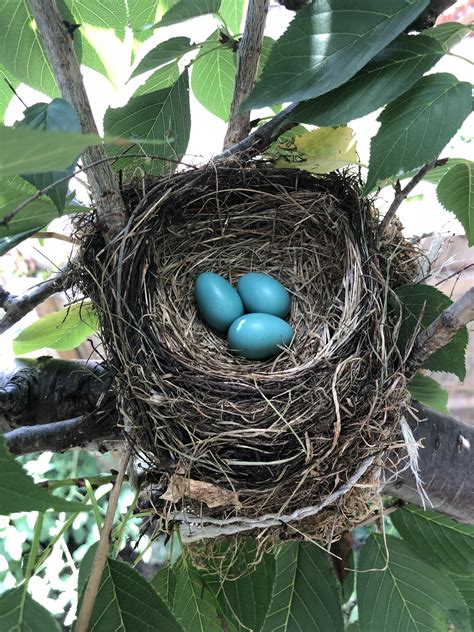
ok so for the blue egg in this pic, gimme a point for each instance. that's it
(257, 336)
(262, 293)
(218, 302)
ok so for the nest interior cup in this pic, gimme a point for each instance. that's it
(269, 436)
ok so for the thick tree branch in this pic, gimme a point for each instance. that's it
(442, 330)
(43, 390)
(58, 46)
(446, 465)
(401, 194)
(16, 307)
(262, 137)
(247, 66)
(88, 432)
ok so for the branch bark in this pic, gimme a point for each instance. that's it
(442, 330)
(44, 390)
(262, 137)
(401, 194)
(247, 66)
(16, 307)
(88, 432)
(446, 465)
(58, 46)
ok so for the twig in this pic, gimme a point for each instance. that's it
(100, 558)
(263, 137)
(94, 481)
(8, 218)
(247, 66)
(62, 435)
(442, 330)
(59, 49)
(401, 194)
(18, 306)
(46, 234)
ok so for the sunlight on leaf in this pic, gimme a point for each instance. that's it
(62, 330)
(319, 151)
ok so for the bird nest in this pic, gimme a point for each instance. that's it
(232, 444)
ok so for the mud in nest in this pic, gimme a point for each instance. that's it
(229, 441)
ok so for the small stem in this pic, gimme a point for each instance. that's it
(34, 548)
(401, 194)
(468, 61)
(100, 558)
(51, 235)
(94, 482)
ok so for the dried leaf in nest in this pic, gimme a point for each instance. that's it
(298, 430)
(180, 487)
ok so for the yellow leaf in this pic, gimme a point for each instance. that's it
(319, 151)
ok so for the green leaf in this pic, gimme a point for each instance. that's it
(18, 492)
(437, 539)
(20, 50)
(416, 126)
(27, 151)
(20, 613)
(195, 607)
(7, 243)
(449, 34)
(110, 14)
(171, 50)
(456, 194)
(404, 593)
(187, 9)
(6, 94)
(327, 42)
(232, 12)
(14, 191)
(164, 582)
(130, 603)
(319, 151)
(213, 77)
(162, 118)
(62, 330)
(427, 300)
(429, 392)
(164, 77)
(56, 116)
(244, 589)
(305, 592)
(383, 79)
(465, 585)
(142, 15)
(86, 567)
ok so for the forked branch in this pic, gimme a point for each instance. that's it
(58, 46)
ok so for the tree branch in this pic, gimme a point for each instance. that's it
(58, 46)
(44, 390)
(429, 16)
(18, 306)
(442, 330)
(446, 465)
(401, 194)
(87, 432)
(262, 137)
(247, 66)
